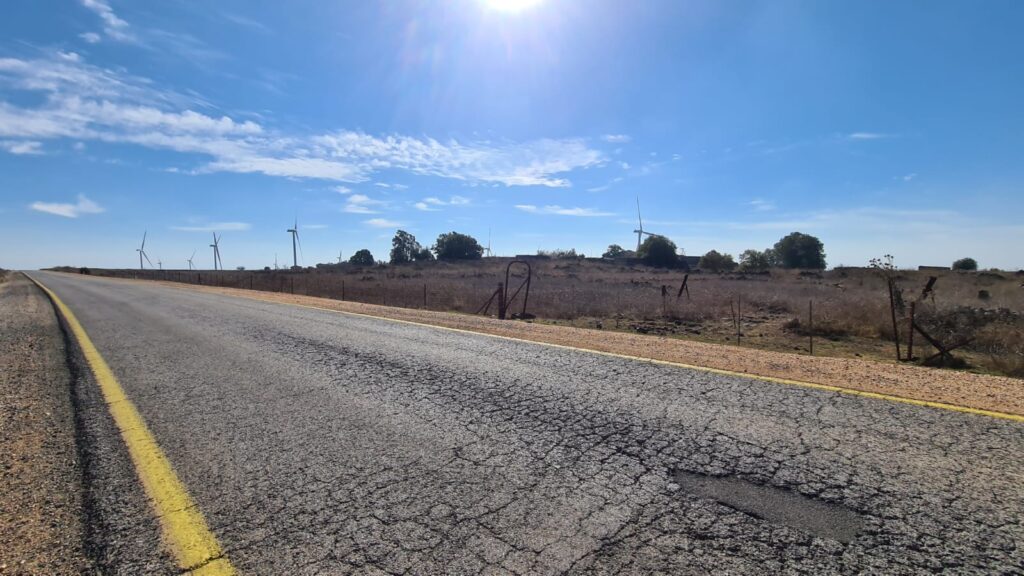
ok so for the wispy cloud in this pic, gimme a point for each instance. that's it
(362, 204)
(215, 227)
(89, 103)
(314, 226)
(909, 177)
(246, 22)
(760, 205)
(22, 147)
(382, 223)
(67, 210)
(560, 211)
(610, 183)
(869, 136)
(429, 204)
(114, 27)
(617, 138)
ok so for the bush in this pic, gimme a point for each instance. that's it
(614, 251)
(756, 260)
(559, 254)
(968, 264)
(715, 262)
(362, 258)
(659, 251)
(800, 251)
(455, 246)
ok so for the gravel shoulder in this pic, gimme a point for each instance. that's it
(979, 391)
(41, 498)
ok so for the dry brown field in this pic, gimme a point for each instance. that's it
(851, 311)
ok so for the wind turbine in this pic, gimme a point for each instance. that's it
(640, 231)
(159, 263)
(189, 260)
(488, 250)
(142, 252)
(216, 253)
(294, 231)
(339, 256)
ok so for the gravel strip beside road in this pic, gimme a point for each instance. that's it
(41, 501)
(979, 391)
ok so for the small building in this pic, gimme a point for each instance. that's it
(933, 268)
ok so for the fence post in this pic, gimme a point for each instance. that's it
(892, 310)
(424, 296)
(739, 318)
(910, 337)
(810, 324)
(342, 289)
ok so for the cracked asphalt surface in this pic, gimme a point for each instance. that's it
(321, 443)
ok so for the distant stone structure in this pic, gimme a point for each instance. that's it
(933, 268)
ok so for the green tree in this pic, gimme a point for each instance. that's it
(614, 251)
(755, 260)
(799, 250)
(362, 258)
(423, 255)
(716, 262)
(455, 246)
(965, 264)
(658, 251)
(404, 247)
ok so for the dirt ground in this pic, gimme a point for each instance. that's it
(979, 391)
(41, 512)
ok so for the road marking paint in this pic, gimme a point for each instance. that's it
(773, 379)
(184, 530)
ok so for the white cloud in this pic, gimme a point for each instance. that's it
(362, 204)
(612, 182)
(382, 223)
(88, 103)
(427, 204)
(616, 138)
(760, 205)
(215, 227)
(314, 226)
(909, 177)
(868, 136)
(458, 200)
(113, 26)
(342, 189)
(90, 37)
(22, 147)
(83, 206)
(425, 207)
(560, 211)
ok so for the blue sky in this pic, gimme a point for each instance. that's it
(880, 127)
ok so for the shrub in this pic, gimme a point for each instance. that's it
(715, 262)
(969, 264)
(362, 257)
(659, 251)
(455, 246)
(614, 251)
(799, 250)
(756, 260)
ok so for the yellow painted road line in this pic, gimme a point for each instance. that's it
(183, 527)
(786, 381)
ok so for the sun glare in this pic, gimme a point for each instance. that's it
(511, 5)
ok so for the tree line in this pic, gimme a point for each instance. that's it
(795, 250)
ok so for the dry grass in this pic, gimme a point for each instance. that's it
(851, 306)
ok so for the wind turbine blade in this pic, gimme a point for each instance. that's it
(147, 258)
(298, 241)
(144, 239)
(639, 219)
(193, 254)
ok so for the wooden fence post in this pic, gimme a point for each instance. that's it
(810, 324)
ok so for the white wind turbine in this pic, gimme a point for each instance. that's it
(218, 264)
(142, 252)
(294, 231)
(640, 232)
(189, 260)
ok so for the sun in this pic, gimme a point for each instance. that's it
(511, 5)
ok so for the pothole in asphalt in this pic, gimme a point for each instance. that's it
(775, 505)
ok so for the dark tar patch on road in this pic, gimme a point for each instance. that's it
(777, 505)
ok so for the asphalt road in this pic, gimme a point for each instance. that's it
(321, 443)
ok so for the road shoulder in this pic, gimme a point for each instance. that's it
(41, 491)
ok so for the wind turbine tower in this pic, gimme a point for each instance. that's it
(142, 252)
(189, 260)
(294, 231)
(640, 232)
(218, 264)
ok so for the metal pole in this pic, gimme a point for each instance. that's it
(739, 318)
(342, 289)
(424, 295)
